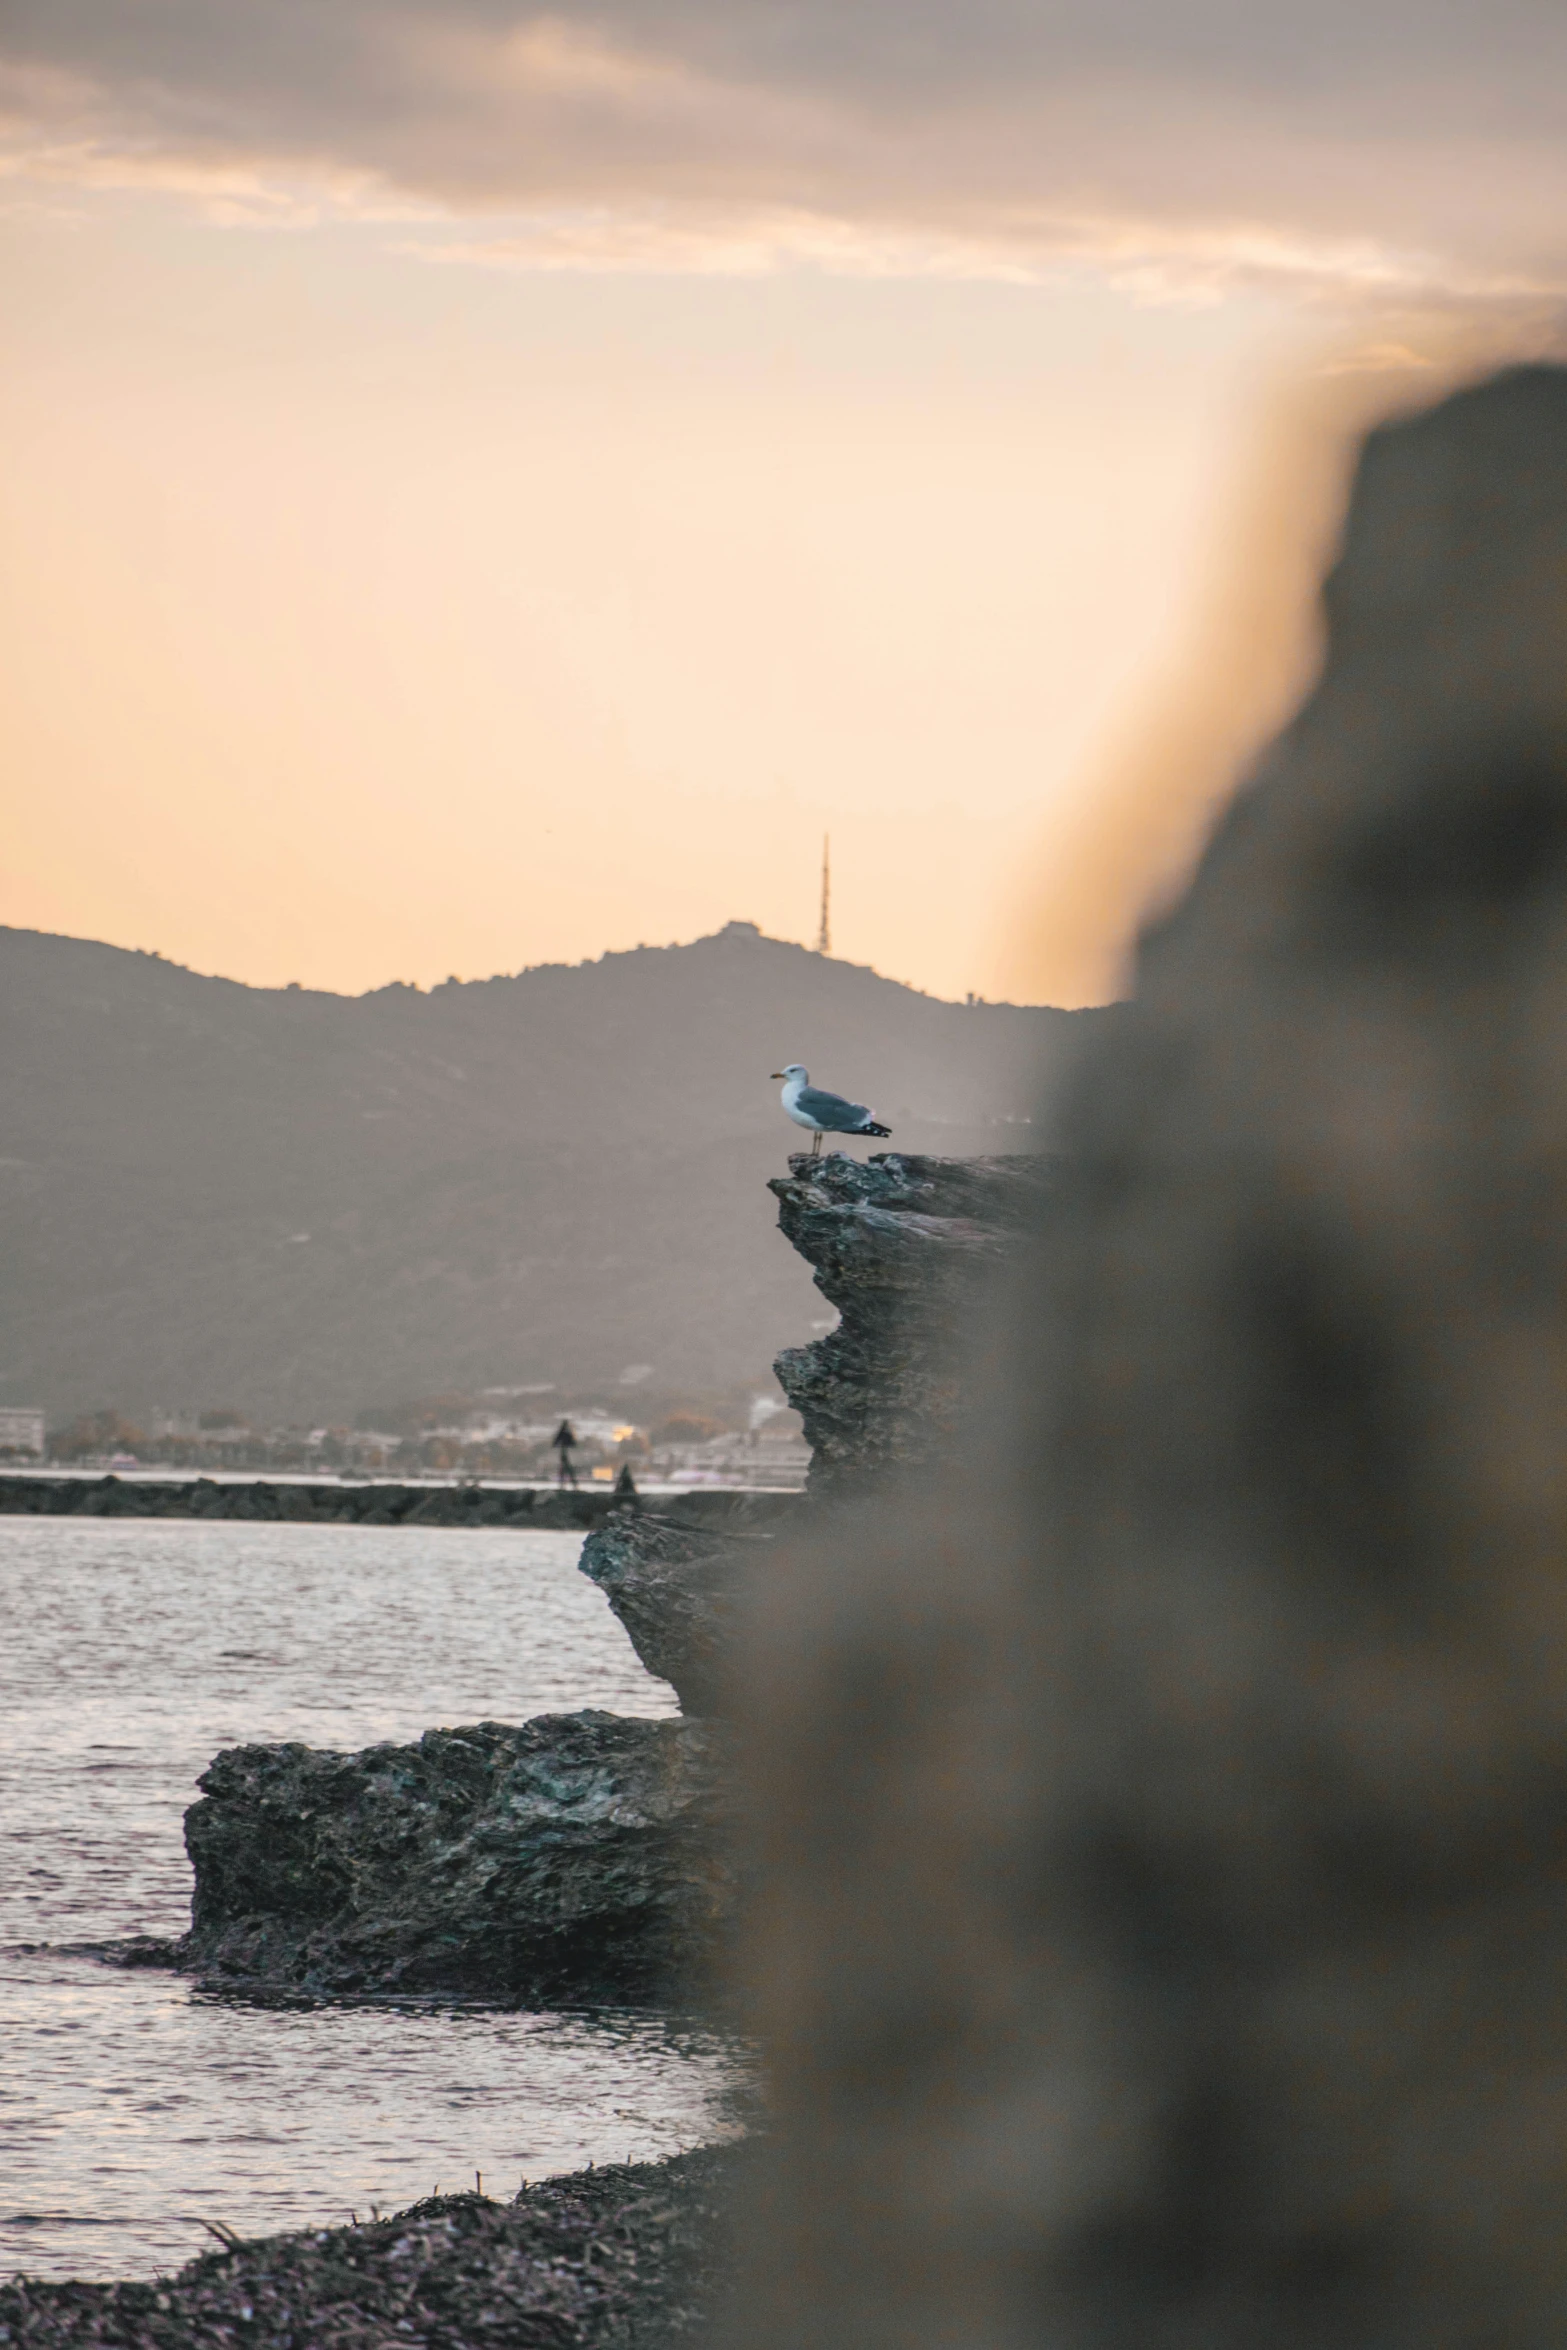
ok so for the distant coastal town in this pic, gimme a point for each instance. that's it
(734, 1440)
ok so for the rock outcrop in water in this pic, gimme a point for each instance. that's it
(900, 1245)
(671, 1583)
(578, 1857)
(583, 1856)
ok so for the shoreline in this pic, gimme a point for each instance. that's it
(544, 1508)
(545, 1853)
(621, 2254)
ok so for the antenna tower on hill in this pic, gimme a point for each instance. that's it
(824, 935)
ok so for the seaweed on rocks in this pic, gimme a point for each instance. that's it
(628, 2257)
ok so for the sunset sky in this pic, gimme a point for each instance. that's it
(484, 486)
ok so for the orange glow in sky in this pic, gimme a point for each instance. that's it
(405, 576)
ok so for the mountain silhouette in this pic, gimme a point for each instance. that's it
(300, 1204)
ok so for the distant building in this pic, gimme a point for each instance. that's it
(21, 1430)
(183, 1426)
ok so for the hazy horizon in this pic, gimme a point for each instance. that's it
(734, 922)
(296, 1203)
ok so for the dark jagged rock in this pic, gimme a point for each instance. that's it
(900, 1245)
(670, 1586)
(628, 2257)
(671, 1583)
(580, 1856)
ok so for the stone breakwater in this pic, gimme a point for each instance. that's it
(544, 1509)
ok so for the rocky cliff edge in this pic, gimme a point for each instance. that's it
(585, 1856)
(899, 1244)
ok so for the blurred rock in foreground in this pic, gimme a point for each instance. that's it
(1163, 1940)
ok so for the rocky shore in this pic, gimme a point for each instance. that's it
(628, 2257)
(576, 1858)
(584, 1857)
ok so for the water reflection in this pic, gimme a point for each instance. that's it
(131, 2109)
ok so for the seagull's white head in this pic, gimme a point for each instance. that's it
(794, 1070)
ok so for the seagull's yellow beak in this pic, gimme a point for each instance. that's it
(777, 1072)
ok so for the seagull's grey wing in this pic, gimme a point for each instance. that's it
(830, 1111)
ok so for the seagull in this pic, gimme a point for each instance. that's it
(823, 1113)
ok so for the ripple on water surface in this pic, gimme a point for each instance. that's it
(130, 2108)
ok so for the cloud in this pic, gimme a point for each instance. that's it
(1153, 261)
(1405, 153)
(1380, 359)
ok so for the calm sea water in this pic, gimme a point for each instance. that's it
(133, 2109)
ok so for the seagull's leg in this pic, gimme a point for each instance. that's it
(816, 1144)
